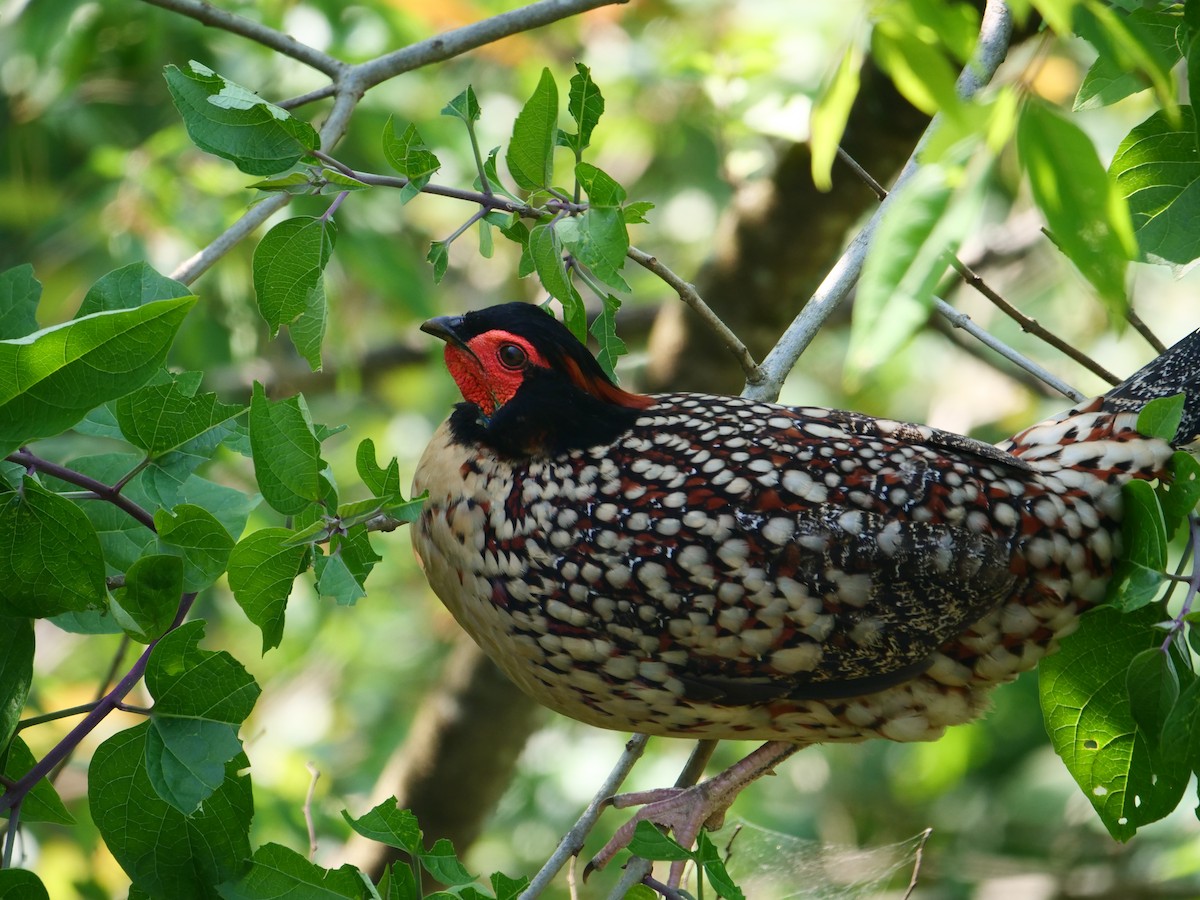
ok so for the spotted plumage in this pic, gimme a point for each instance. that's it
(713, 567)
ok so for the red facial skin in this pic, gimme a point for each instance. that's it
(490, 369)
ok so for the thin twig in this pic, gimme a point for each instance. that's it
(688, 294)
(57, 714)
(994, 35)
(638, 870)
(10, 837)
(863, 175)
(1144, 330)
(1029, 324)
(207, 14)
(963, 321)
(917, 858)
(106, 705)
(460, 40)
(573, 841)
(308, 814)
(99, 488)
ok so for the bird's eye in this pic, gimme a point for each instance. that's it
(511, 356)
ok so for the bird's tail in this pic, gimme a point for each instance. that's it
(1176, 371)
(1100, 437)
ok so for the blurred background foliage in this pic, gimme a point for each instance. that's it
(703, 99)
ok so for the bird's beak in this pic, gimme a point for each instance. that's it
(446, 328)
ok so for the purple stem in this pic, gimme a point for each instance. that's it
(110, 701)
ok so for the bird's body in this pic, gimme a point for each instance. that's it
(713, 567)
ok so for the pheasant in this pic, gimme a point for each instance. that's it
(712, 567)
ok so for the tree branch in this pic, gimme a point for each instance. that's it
(469, 37)
(994, 36)
(207, 14)
(688, 294)
(99, 488)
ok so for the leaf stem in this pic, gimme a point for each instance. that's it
(58, 714)
(99, 488)
(104, 706)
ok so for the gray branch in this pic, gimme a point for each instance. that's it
(207, 14)
(994, 36)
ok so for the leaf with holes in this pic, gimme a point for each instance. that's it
(1179, 493)
(1085, 703)
(230, 121)
(1153, 686)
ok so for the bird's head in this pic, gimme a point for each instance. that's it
(529, 380)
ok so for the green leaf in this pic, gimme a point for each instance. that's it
(530, 154)
(277, 871)
(830, 113)
(1088, 218)
(236, 124)
(146, 606)
(287, 455)
(409, 156)
(402, 883)
(650, 843)
(42, 803)
(506, 888)
(601, 188)
(604, 330)
(714, 867)
(19, 884)
(19, 295)
(382, 482)
(635, 212)
(262, 569)
(439, 257)
(16, 672)
(1085, 702)
(441, 862)
(289, 267)
(166, 853)
(585, 104)
(1181, 734)
(1180, 492)
(1160, 417)
(913, 247)
(50, 379)
(598, 239)
(185, 759)
(1136, 51)
(913, 56)
(1157, 171)
(334, 579)
(388, 824)
(166, 415)
(1153, 686)
(200, 699)
(546, 250)
(50, 559)
(130, 287)
(198, 538)
(465, 106)
(1138, 573)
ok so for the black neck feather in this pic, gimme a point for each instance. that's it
(548, 416)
